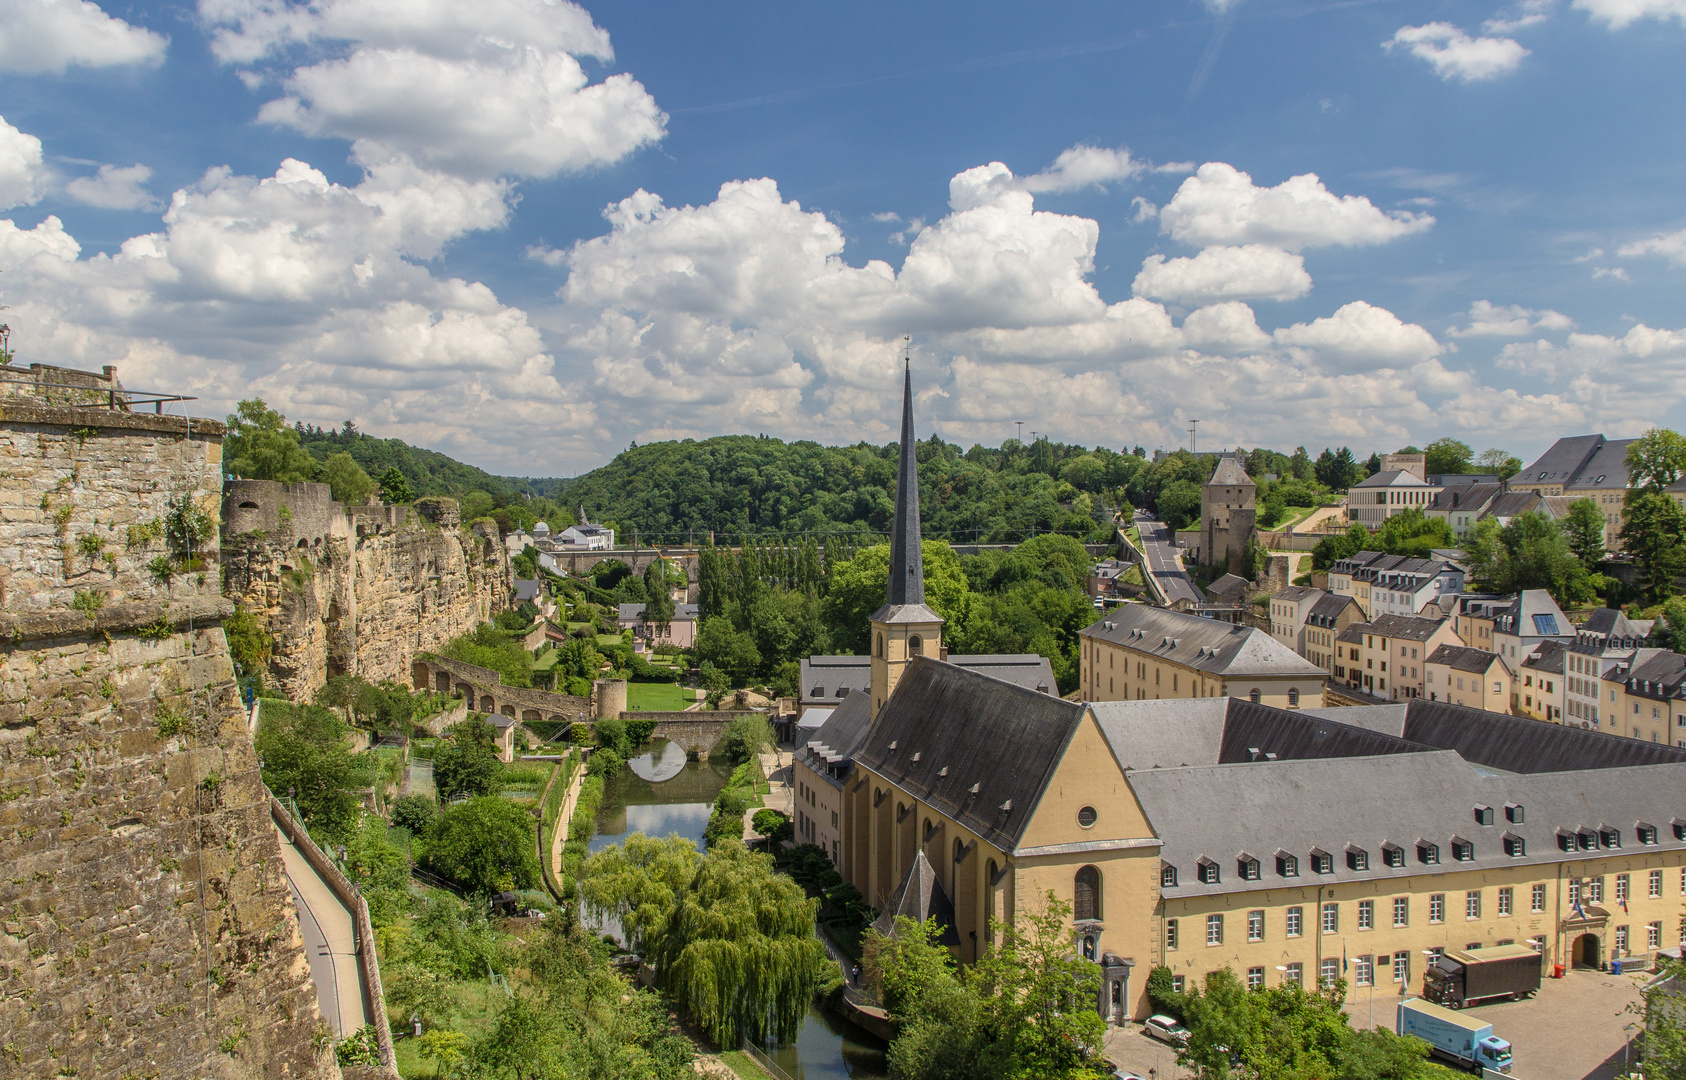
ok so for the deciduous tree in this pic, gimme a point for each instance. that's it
(1656, 459)
(260, 446)
(1583, 528)
(1654, 533)
(346, 480)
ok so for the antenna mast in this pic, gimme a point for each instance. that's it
(1191, 433)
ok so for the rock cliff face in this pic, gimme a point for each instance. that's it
(145, 926)
(356, 590)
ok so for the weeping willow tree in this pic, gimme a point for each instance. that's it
(638, 882)
(738, 952)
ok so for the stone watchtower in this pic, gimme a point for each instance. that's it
(1228, 517)
(904, 627)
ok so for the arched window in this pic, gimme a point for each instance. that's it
(1086, 895)
(915, 645)
(1294, 696)
(1254, 696)
(878, 646)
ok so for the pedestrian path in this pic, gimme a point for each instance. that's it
(330, 942)
(778, 765)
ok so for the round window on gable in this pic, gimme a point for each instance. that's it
(1086, 816)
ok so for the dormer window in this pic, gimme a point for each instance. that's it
(1167, 876)
(1207, 871)
(1679, 828)
(1462, 850)
(1588, 840)
(1287, 865)
(1610, 838)
(1357, 859)
(1322, 862)
(1513, 813)
(1428, 853)
(1566, 840)
(1647, 833)
(1393, 855)
(1515, 846)
(1247, 868)
(1483, 815)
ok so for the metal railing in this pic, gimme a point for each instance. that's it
(113, 397)
(760, 1058)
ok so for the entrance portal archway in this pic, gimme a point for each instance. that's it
(1587, 951)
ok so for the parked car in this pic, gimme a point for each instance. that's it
(1165, 1029)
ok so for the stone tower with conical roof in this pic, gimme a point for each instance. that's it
(904, 627)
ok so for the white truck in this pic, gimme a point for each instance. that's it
(1454, 1036)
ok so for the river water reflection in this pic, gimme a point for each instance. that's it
(659, 793)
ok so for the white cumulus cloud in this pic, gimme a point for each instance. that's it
(1526, 13)
(1619, 14)
(1220, 204)
(23, 176)
(1360, 336)
(1225, 328)
(1487, 319)
(479, 90)
(114, 188)
(1086, 166)
(40, 37)
(1455, 55)
(1249, 272)
(1671, 246)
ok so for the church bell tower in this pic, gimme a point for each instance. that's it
(904, 627)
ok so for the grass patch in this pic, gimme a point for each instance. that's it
(745, 1066)
(474, 1005)
(657, 697)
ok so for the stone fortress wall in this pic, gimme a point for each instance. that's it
(146, 929)
(356, 589)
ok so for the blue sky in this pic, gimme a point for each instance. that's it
(528, 233)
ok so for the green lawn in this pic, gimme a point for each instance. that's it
(742, 1064)
(657, 697)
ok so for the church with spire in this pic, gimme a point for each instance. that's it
(842, 695)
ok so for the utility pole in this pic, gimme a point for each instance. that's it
(1020, 435)
(1192, 448)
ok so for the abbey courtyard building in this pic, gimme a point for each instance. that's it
(1197, 807)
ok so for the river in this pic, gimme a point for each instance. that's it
(660, 793)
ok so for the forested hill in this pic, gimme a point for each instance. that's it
(428, 471)
(744, 485)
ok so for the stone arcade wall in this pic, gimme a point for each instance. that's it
(355, 589)
(146, 929)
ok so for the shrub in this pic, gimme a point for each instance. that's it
(1161, 993)
(612, 735)
(744, 738)
(485, 845)
(415, 812)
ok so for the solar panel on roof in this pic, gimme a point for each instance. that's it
(1545, 624)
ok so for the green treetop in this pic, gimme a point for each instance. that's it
(260, 446)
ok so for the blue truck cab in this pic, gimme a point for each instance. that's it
(1455, 1036)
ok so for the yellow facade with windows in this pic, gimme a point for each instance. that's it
(1141, 653)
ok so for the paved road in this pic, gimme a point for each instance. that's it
(1165, 564)
(329, 941)
(1574, 1029)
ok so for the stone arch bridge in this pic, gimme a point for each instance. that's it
(484, 690)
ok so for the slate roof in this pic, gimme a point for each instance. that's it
(1465, 497)
(1527, 616)
(1660, 677)
(1295, 593)
(831, 748)
(1164, 734)
(1228, 585)
(1387, 719)
(1404, 627)
(946, 731)
(1549, 658)
(1391, 478)
(526, 589)
(1328, 609)
(1463, 658)
(1514, 504)
(1230, 473)
(834, 673)
(1218, 648)
(1605, 468)
(1516, 744)
(905, 588)
(1561, 461)
(920, 896)
(1606, 623)
(1221, 812)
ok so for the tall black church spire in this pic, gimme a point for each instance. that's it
(907, 562)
